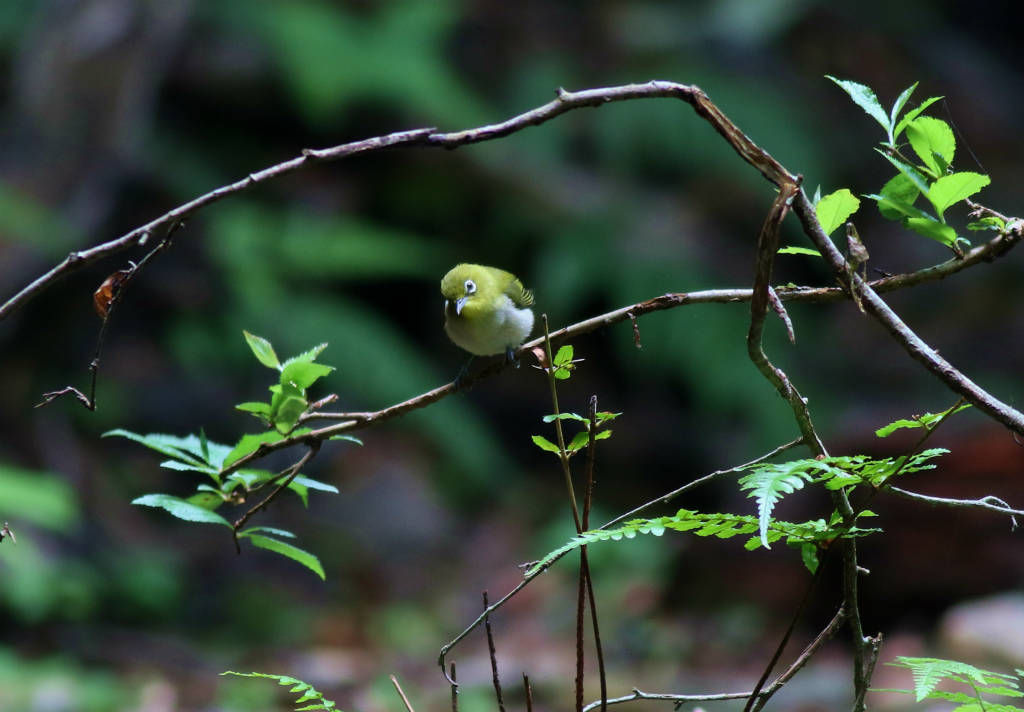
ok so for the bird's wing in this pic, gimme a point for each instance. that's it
(520, 295)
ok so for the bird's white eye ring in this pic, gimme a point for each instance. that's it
(470, 286)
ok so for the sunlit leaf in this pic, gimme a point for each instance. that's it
(294, 553)
(262, 350)
(834, 209)
(181, 509)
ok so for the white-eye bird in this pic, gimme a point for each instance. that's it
(486, 309)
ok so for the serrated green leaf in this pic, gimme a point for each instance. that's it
(181, 509)
(897, 208)
(249, 443)
(902, 192)
(302, 374)
(564, 355)
(915, 176)
(294, 553)
(933, 141)
(901, 101)
(188, 467)
(306, 356)
(605, 416)
(544, 444)
(793, 250)
(865, 98)
(913, 114)
(934, 229)
(955, 187)
(185, 449)
(834, 209)
(262, 350)
(289, 410)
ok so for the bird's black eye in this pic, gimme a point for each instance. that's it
(470, 286)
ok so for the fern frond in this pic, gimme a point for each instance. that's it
(308, 692)
(929, 672)
(722, 526)
(768, 482)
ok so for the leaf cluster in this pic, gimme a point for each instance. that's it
(225, 486)
(929, 173)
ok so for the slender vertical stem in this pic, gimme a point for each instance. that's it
(563, 455)
(455, 688)
(584, 560)
(494, 657)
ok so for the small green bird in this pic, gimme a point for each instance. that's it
(486, 309)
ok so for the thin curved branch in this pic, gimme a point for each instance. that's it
(986, 252)
(989, 503)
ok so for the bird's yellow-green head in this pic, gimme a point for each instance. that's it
(486, 309)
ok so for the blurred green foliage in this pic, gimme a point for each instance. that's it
(112, 114)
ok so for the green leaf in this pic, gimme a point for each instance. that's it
(303, 374)
(564, 355)
(186, 449)
(897, 208)
(793, 250)
(564, 416)
(181, 509)
(206, 500)
(349, 438)
(294, 553)
(916, 177)
(939, 231)
(913, 114)
(257, 408)
(187, 467)
(865, 98)
(990, 223)
(902, 192)
(834, 209)
(900, 103)
(315, 484)
(262, 350)
(578, 442)
(249, 443)
(955, 187)
(306, 356)
(604, 416)
(933, 142)
(544, 444)
(269, 530)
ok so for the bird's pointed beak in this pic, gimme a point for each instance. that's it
(459, 303)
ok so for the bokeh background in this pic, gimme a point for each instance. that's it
(114, 111)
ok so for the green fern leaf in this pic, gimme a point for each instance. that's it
(768, 483)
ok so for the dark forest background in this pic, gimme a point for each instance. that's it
(115, 111)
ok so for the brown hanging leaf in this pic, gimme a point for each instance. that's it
(107, 292)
